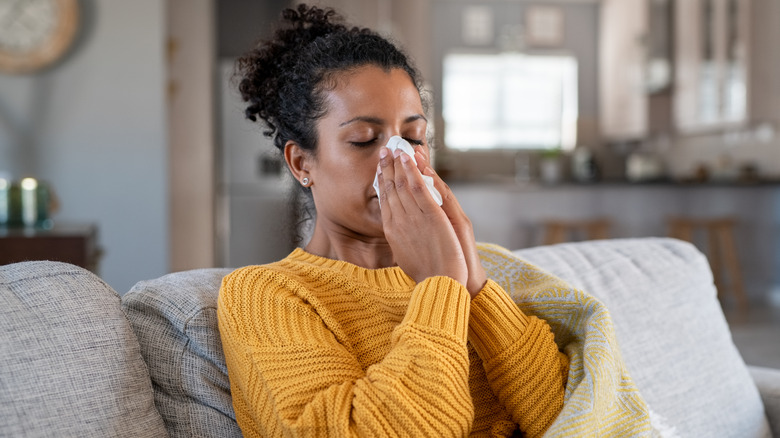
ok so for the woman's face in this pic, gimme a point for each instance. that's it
(366, 108)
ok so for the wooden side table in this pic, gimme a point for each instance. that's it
(75, 244)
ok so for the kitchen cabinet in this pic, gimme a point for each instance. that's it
(711, 64)
(698, 49)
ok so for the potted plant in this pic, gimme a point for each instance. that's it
(550, 166)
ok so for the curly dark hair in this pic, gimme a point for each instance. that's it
(283, 79)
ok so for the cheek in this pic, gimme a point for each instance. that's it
(347, 169)
(347, 179)
(361, 168)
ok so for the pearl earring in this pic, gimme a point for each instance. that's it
(305, 181)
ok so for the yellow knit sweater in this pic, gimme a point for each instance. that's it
(321, 347)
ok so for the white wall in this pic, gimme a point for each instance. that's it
(95, 129)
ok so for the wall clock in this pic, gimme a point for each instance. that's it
(35, 33)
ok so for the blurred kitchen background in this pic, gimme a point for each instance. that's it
(552, 121)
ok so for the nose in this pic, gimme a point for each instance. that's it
(382, 144)
(390, 134)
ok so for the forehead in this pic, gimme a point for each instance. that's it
(371, 89)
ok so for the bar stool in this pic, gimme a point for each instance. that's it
(558, 231)
(721, 248)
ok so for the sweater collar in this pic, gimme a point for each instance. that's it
(393, 277)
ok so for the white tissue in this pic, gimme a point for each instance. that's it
(397, 142)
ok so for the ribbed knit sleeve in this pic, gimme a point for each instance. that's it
(291, 375)
(523, 365)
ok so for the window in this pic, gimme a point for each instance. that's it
(509, 101)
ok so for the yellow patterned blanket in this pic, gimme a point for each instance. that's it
(601, 399)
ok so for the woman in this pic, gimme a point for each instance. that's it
(385, 323)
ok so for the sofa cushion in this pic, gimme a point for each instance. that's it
(70, 363)
(175, 319)
(671, 330)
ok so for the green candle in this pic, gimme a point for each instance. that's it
(5, 186)
(14, 204)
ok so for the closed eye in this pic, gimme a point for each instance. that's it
(361, 144)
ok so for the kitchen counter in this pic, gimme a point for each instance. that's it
(511, 214)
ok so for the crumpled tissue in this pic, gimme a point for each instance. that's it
(397, 142)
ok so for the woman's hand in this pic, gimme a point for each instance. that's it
(460, 223)
(423, 240)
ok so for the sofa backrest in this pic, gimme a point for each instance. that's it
(175, 319)
(70, 365)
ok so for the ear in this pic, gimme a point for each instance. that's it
(297, 159)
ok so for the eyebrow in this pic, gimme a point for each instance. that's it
(378, 121)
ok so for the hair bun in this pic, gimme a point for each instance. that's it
(312, 17)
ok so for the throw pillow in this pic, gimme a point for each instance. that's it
(175, 319)
(70, 363)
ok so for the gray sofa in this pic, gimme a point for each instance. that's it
(78, 360)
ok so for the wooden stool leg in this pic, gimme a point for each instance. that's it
(682, 231)
(729, 247)
(721, 252)
(554, 233)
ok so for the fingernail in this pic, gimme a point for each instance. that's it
(378, 169)
(383, 152)
(404, 158)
